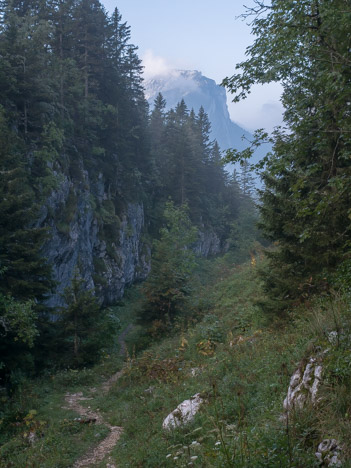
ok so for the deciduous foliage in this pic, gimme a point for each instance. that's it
(18, 331)
(306, 202)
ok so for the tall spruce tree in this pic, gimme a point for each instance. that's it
(86, 328)
(189, 168)
(71, 101)
(168, 285)
(25, 276)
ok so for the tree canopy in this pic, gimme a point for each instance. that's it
(78, 146)
(306, 202)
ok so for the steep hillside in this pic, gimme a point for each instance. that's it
(85, 177)
(269, 392)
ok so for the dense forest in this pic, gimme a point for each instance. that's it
(86, 172)
(136, 273)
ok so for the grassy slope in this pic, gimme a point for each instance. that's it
(243, 365)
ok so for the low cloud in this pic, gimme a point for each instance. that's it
(155, 66)
(161, 76)
(262, 108)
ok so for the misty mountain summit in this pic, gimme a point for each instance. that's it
(198, 90)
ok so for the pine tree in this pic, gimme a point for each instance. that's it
(87, 329)
(160, 164)
(27, 274)
(66, 75)
(26, 86)
(25, 277)
(168, 285)
(157, 122)
(247, 181)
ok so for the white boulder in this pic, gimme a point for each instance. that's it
(333, 337)
(328, 453)
(184, 413)
(304, 385)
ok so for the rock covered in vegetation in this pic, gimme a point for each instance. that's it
(107, 261)
(208, 243)
(194, 371)
(184, 413)
(304, 385)
(86, 231)
(333, 337)
(328, 453)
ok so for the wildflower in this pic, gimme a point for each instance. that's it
(218, 442)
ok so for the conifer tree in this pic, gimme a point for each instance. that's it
(25, 277)
(27, 274)
(168, 285)
(86, 328)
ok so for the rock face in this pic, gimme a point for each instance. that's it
(88, 234)
(208, 244)
(303, 388)
(329, 452)
(304, 385)
(184, 413)
(106, 261)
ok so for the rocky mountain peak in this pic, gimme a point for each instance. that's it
(198, 90)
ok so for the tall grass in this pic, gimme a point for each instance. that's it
(241, 363)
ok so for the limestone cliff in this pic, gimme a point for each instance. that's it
(87, 233)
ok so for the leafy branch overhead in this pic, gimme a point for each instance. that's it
(233, 155)
(305, 205)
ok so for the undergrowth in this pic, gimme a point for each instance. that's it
(238, 360)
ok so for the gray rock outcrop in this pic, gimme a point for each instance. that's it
(329, 452)
(88, 234)
(77, 241)
(208, 243)
(304, 385)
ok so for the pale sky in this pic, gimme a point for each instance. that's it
(199, 35)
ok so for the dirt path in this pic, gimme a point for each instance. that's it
(121, 342)
(104, 448)
(105, 387)
(96, 455)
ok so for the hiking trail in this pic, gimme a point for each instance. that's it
(73, 400)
